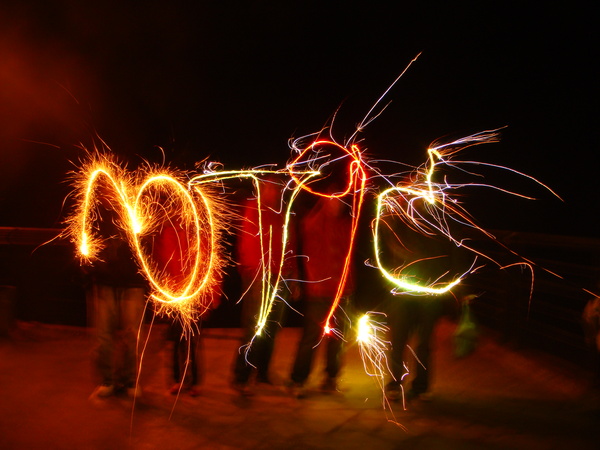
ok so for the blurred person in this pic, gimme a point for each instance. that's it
(420, 258)
(252, 362)
(171, 248)
(186, 353)
(410, 316)
(324, 235)
(116, 293)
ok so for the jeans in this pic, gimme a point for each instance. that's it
(117, 309)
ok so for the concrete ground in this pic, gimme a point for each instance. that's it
(494, 398)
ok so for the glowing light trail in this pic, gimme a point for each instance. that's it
(271, 282)
(145, 204)
(356, 185)
(402, 203)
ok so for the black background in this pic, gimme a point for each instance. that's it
(234, 80)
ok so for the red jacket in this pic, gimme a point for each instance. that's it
(325, 234)
(249, 252)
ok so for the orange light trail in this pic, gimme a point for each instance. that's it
(356, 187)
(146, 203)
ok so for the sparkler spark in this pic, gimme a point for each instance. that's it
(147, 203)
(372, 346)
(373, 349)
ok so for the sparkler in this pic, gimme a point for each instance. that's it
(372, 346)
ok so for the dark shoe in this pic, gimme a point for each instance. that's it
(424, 396)
(175, 389)
(134, 392)
(393, 391)
(329, 386)
(242, 388)
(297, 390)
(263, 379)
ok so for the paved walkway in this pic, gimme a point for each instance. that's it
(495, 398)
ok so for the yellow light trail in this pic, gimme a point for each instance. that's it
(271, 282)
(400, 202)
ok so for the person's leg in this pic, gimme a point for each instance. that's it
(312, 334)
(429, 312)
(174, 333)
(245, 359)
(335, 347)
(193, 347)
(334, 350)
(105, 322)
(132, 309)
(266, 342)
(105, 315)
(196, 366)
(401, 317)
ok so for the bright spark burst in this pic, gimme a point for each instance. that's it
(372, 345)
(373, 349)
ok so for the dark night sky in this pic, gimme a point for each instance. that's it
(234, 80)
